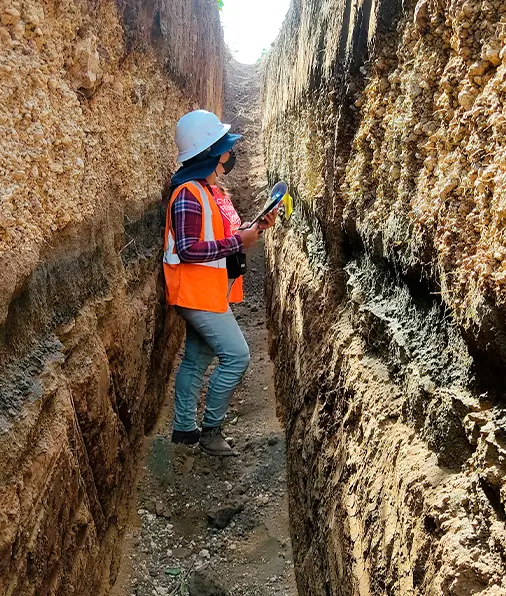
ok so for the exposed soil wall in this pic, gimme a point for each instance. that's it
(90, 93)
(386, 299)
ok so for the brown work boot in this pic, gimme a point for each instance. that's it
(182, 437)
(213, 443)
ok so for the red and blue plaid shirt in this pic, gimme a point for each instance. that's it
(187, 224)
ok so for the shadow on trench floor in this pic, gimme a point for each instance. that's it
(176, 543)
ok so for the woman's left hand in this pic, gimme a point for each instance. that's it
(269, 220)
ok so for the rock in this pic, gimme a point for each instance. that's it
(220, 517)
(241, 488)
(11, 16)
(491, 52)
(188, 464)
(466, 99)
(149, 506)
(86, 71)
(181, 552)
(421, 15)
(202, 583)
(478, 69)
(271, 441)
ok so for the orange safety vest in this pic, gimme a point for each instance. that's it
(201, 286)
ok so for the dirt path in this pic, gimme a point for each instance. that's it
(174, 546)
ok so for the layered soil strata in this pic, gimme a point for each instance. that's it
(386, 304)
(90, 95)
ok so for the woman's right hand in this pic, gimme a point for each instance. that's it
(249, 236)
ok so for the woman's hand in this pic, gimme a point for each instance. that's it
(269, 220)
(249, 235)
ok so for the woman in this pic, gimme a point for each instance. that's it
(202, 232)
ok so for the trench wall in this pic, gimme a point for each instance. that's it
(90, 94)
(386, 292)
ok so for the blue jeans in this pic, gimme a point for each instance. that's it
(208, 334)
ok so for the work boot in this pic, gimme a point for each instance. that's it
(213, 443)
(183, 437)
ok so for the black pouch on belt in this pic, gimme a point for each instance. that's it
(236, 265)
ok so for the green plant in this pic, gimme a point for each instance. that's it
(220, 4)
(264, 53)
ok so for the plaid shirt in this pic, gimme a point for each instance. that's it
(187, 223)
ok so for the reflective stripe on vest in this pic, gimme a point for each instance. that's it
(170, 256)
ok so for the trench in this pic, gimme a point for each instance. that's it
(371, 425)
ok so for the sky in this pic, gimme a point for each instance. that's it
(252, 25)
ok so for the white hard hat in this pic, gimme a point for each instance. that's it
(197, 131)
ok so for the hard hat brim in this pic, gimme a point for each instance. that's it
(224, 144)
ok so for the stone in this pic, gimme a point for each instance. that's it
(181, 552)
(466, 99)
(202, 583)
(220, 517)
(11, 16)
(421, 14)
(86, 70)
(188, 465)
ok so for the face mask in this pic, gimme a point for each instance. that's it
(228, 166)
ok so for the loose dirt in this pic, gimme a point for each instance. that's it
(171, 546)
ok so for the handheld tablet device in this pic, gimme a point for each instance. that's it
(278, 191)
